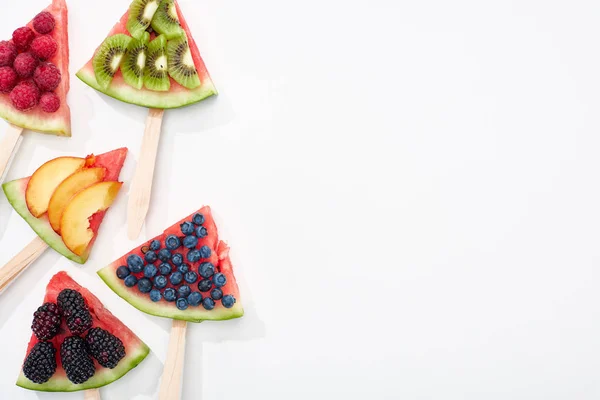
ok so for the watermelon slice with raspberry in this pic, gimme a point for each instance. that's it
(77, 344)
(16, 190)
(177, 92)
(37, 98)
(185, 273)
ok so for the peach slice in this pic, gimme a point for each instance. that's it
(69, 188)
(75, 220)
(46, 179)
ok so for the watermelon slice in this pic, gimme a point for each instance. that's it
(135, 349)
(218, 257)
(177, 96)
(59, 122)
(15, 193)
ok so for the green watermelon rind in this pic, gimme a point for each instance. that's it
(163, 309)
(100, 379)
(54, 126)
(15, 193)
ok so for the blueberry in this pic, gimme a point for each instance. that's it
(201, 232)
(184, 291)
(177, 259)
(187, 228)
(206, 270)
(208, 303)
(149, 271)
(190, 241)
(219, 279)
(160, 281)
(145, 285)
(204, 251)
(164, 269)
(216, 294)
(122, 272)
(150, 257)
(130, 281)
(164, 255)
(204, 285)
(176, 278)
(172, 242)
(154, 245)
(155, 295)
(183, 268)
(198, 219)
(228, 301)
(135, 263)
(193, 256)
(182, 304)
(169, 294)
(190, 277)
(194, 299)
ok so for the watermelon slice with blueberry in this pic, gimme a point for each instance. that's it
(34, 73)
(150, 59)
(185, 273)
(77, 344)
(65, 200)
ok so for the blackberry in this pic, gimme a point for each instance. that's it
(46, 321)
(73, 308)
(106, 348)
(40, 363)
(77, 363)
(69, 300)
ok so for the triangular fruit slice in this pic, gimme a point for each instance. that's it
(185, 273)
(97, 179)
(76, 343)
(34, 73)
(127, 68)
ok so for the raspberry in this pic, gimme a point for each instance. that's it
(25, 96)
(47, 77)
(46, 321)
(49, 102)
(43, 47)
(8, 52)
(76, 361)
(22, 38)
(43, 22)
(40, 363)
(106, 348)
(8, 79)
(25, 64)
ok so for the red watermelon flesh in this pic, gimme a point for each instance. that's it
(219, 258)
(135, 349)
(59, 122)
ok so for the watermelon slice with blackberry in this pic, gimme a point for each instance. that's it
(77, 344)
(34, 73)
(185, 273)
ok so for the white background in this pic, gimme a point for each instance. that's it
(410, 190)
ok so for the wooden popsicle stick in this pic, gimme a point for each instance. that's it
(8, 147)
(18, 263)
(170, 383)
(141, 186)
(91, 394)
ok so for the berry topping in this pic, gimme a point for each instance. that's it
(25, 96)
(155, 295)
(40, 363)
(193, 256)
(105, 347)
(8, 53)
(208, 303)
(49, 102)
(130, 281)
(164, 255)
(150, 256)
(206, 270)
(44, 47)
(46, 321)
(122, 272)
(204, 285)
(145, 285)
(194, 299)
(172, 242)
(8, 79)
(198, 219)
(73, 308)
(43, 22)
(190, 277)
(176, 278)
(150, 270)
(154, 245)
(187, 228)
(219, 280)
(184, 291)
(183, 268)
(22, 38)
(177, 259)
(205, 252)
(216, 294)
(190, 241)
(164, 269)
(201, 232)
(79, 321)
(47, 77)
(160, 281)
(76, 361)
(25, 64)
(182, 303)
(135, 263)
(228, 301)
(169, 294)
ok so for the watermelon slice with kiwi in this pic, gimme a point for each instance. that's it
(16, 192)
(185, 273)
(44, 116)
(77, 344)
(150, 59)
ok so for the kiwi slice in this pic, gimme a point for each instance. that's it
(181, 63)
(166, 20)
(140, 16)
(107, 59)
(135, 61)
(155, 73)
